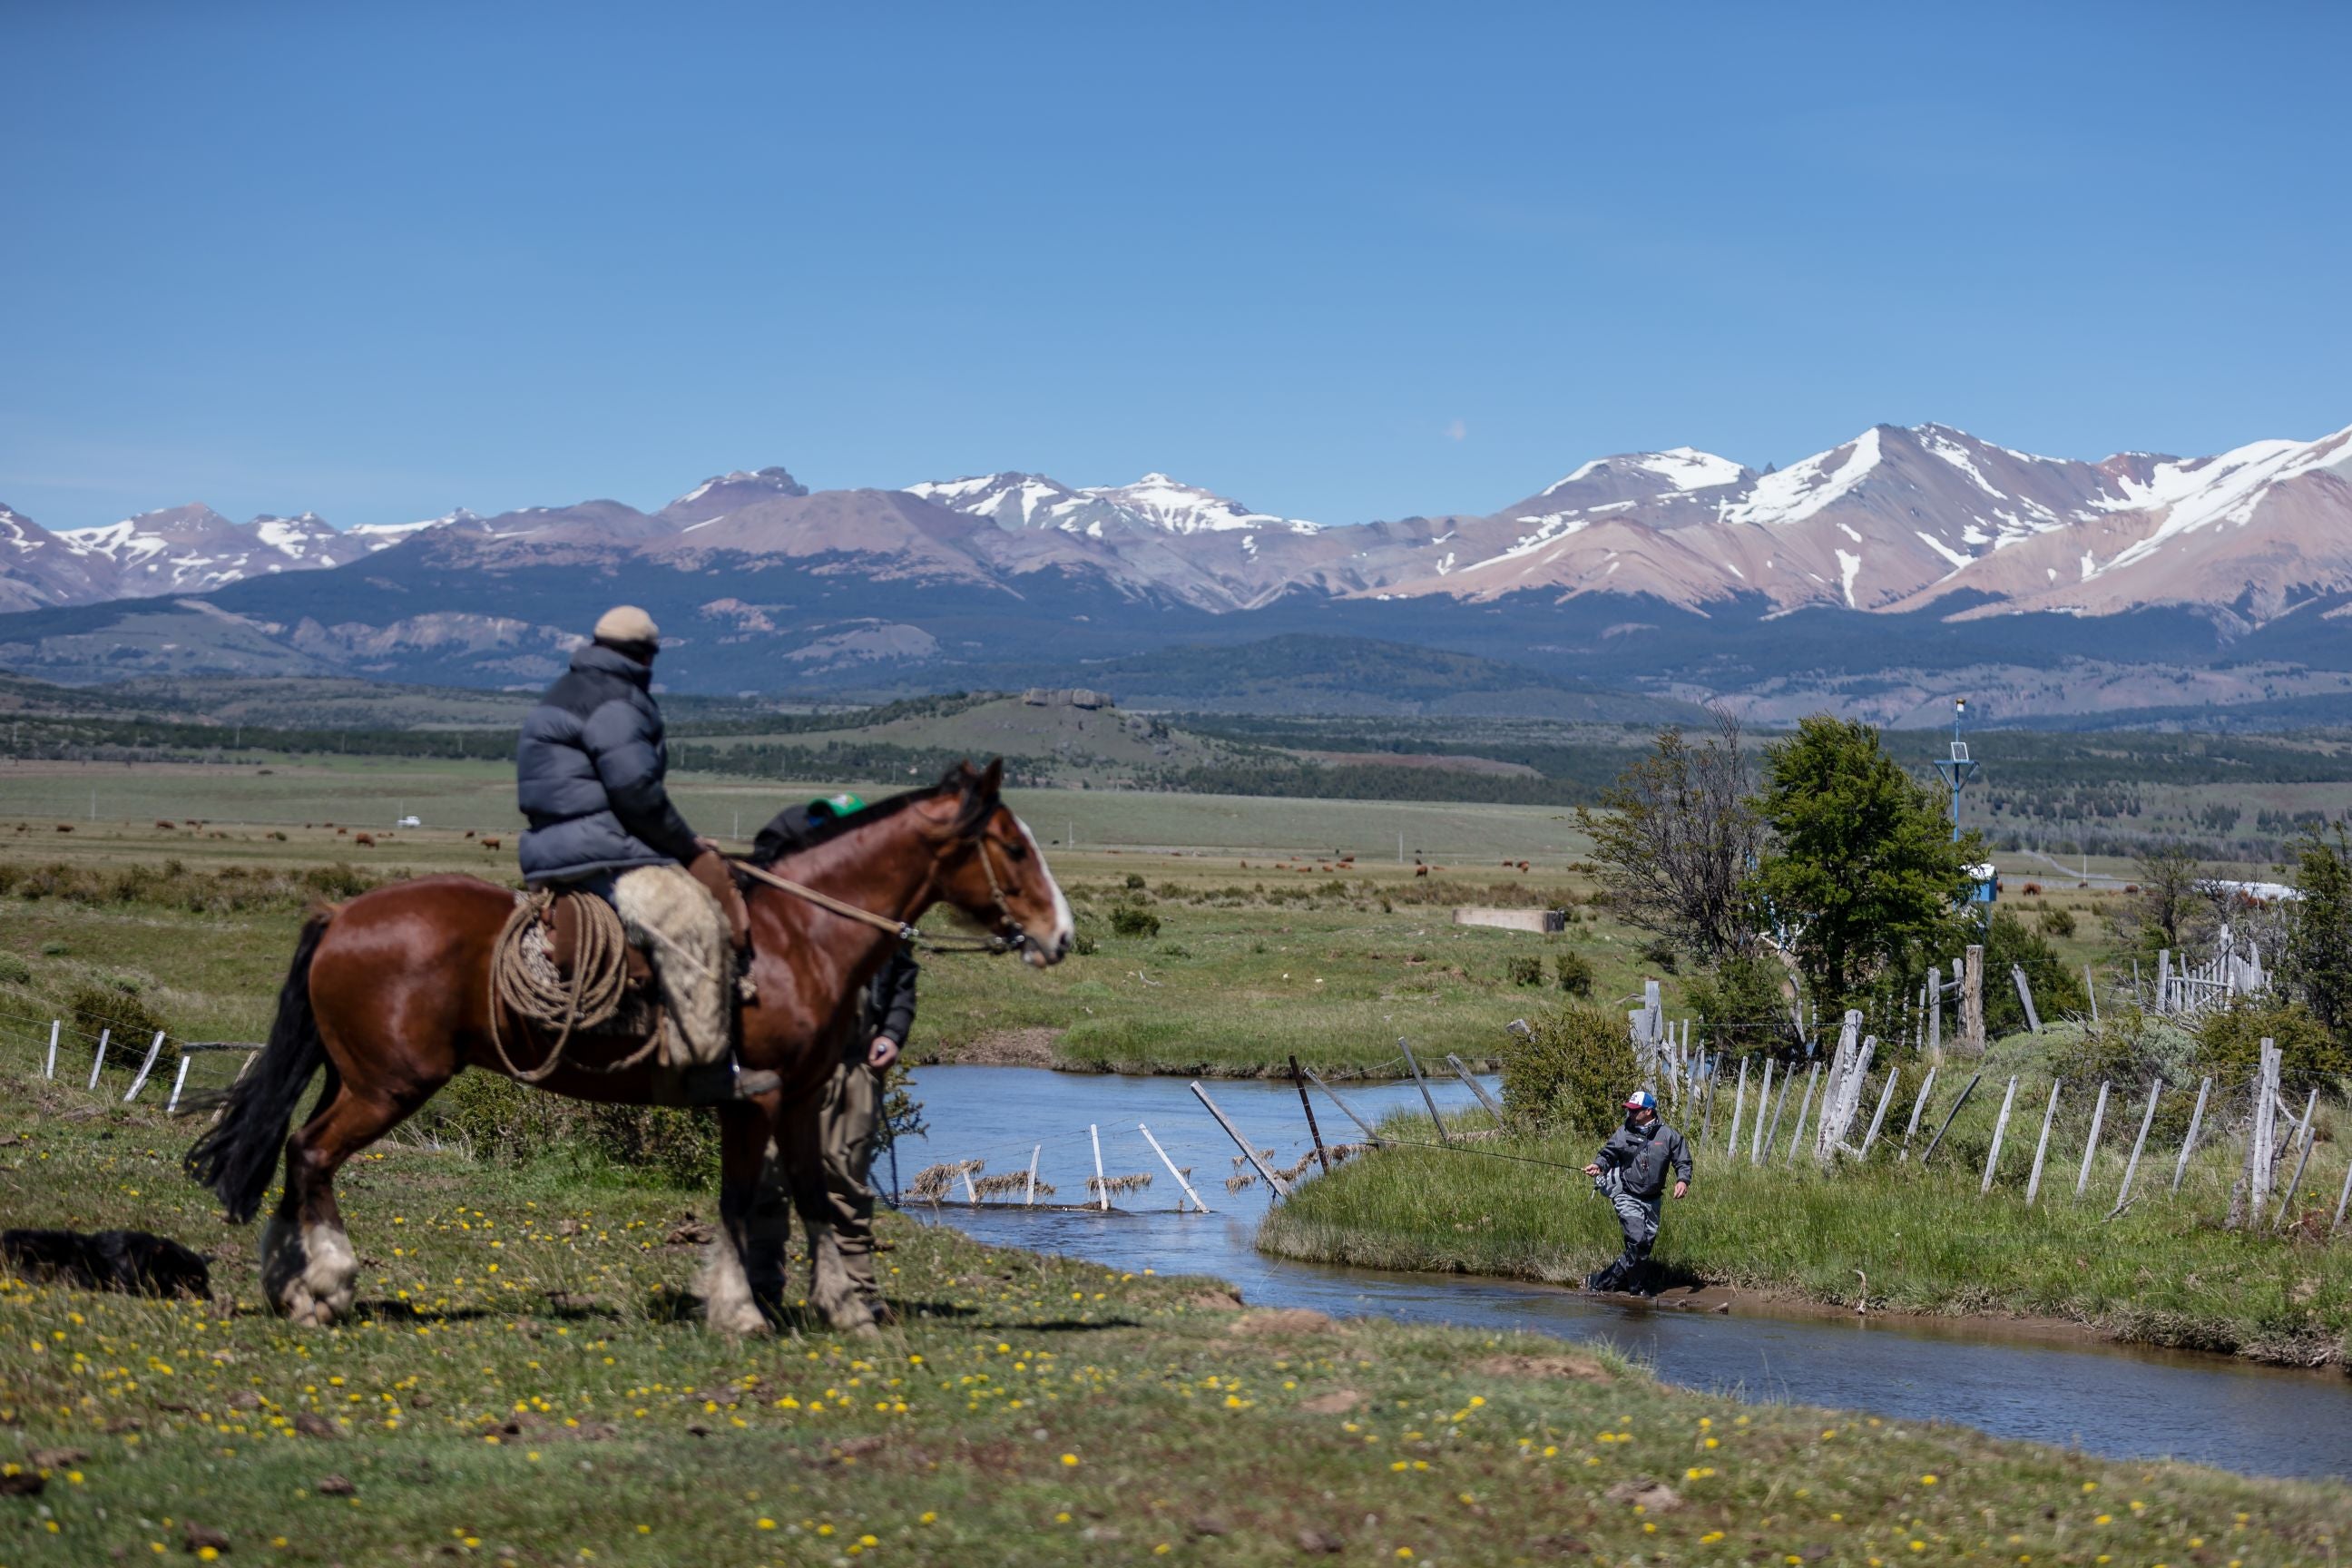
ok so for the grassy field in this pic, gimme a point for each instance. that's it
(1924, 1240)
(526, 1383)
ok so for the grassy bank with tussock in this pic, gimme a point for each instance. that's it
(1909, 1238)
(523, 1384)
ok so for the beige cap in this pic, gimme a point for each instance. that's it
(628, 624)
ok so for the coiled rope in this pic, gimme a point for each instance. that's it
(532, 994)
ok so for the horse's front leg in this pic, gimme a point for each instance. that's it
(723, 1284)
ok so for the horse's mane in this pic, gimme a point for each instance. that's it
(975, 812)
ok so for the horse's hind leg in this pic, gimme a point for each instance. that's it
(308, 1268)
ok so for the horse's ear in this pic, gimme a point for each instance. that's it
(992, 778)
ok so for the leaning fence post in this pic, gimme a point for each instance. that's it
(1315, 1133)
(154, 1048)
(1707, 1108)
(1102, 1190)
(2123, 1195)
(2000, 1130)
(1763, 1104)
(2026, 995)
(178, 1081)
(2091, 989)
(1779, 1108)
(1031, 1201)
(51, 1069)
(2042, 1145)
(1878, 1118)
(2301, 1160)
(1812, 1081)
(100, 1060)
(1474, 1086)
(2342, 1200)
(1918, 1104)
(1966, 1090)
(1172, 1170)
(1343, 1105)
(1425, 1098)
(971, 1193)
(1276, 1183)
(1738, 1107)
(2091, 1144)
(2196, 1118)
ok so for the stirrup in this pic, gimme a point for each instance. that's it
(712, 1083)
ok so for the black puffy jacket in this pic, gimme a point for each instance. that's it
(589, 770)
(890, 1002)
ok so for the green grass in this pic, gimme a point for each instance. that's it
(2164, 1273)
(521, 1386)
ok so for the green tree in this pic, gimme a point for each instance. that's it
(1861, 874)
(2318, 958)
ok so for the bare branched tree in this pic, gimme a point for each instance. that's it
(2170, 908)
(1675, 837)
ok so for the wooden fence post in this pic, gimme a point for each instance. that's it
(1031, 1201)
(154, 1048)
(2251, 1195)
(2091, 989)
(1812, 1081)
(1314, 1133)
(2026, 995)
(1425, 1099)
(51, 1069)
(1763, 1104)
(100, 1060)
(2164, 981)
(1276, 1183)
(2042, 1145)
(1712, 1082)
(2123, 1194)
(2343, 1199)
(1347, 1110)
(1469, 1080)
(1738, 1106)
(2287, 1201)
(1172, 1170)
(2195, 1119)
(1972, 1023)
(1879, 1116)
(2000, 1130)
(1935, 1014)
(2091, 1144)
(1966, 1090)
(1918, 1104)
(1102, 1190)
(971, 1194)
(179, 1080)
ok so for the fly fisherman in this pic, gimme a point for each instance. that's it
(1631, 1173)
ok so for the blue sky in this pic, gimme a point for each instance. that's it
(1338, 261)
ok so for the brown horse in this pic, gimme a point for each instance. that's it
(390, 993)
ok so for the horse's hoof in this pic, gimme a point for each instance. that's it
(742, 1323)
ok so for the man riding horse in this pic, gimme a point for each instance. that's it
(589, 775)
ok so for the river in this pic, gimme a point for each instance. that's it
(2107, 1400)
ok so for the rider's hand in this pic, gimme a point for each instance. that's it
(710, 844)
(1682, 1189)
(1591, 1169)
(881, 1053)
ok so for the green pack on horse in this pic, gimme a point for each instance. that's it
(397, 991)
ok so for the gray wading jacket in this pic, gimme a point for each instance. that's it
(1641, 1155)
(588, 775)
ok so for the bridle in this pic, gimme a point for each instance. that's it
(906, 932)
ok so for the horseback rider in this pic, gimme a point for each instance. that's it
(589, 771)
(849, 1120)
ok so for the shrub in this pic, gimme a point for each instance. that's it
(14, 970)
(1133, 920)
(1739, 1005)
(1523, 970)
(497, 1119)
(1574, 972)
(1573, 1071)
(1661, 952)
(2228, 1047)
(1135, 881)
(1085, 946)
(2057, 990)
(2059, 922)
(114, 1007)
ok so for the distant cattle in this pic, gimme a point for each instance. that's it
(366, 840)
(489, 842)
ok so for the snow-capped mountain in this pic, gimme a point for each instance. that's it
(1154, 503)
(192, 549)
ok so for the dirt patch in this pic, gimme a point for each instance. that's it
(1338, 1402)
(1575, 1368)
(1215, 1300)
(1004, 1048)
(1282, 1320)
(1652, 1497)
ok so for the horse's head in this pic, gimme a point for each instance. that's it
(991, 869)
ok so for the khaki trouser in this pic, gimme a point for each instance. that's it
(679, 923)
(849, 1122)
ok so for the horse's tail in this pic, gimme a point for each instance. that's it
(238, 1155)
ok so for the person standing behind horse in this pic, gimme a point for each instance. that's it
(589, 772)
(849, 1121)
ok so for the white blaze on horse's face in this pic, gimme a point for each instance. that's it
(1051, 946)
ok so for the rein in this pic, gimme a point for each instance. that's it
(899, 929)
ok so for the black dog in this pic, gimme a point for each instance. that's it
(131, 1261)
